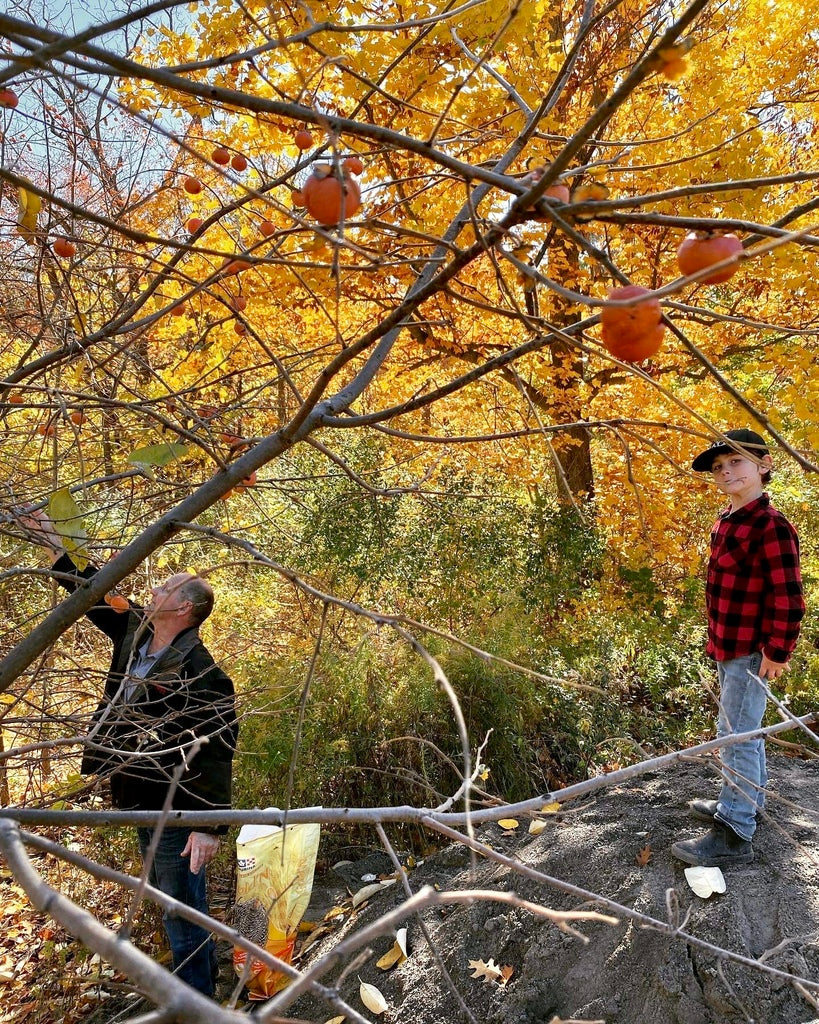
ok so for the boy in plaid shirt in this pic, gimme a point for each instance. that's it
(755, 606)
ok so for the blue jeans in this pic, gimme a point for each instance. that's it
(742, 708)
(192, 947)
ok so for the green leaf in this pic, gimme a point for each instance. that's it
(158, 454)
(65, 514)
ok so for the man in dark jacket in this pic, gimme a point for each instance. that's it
(167, 721)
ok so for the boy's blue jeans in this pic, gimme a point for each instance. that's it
(192, 947)
(742, 708)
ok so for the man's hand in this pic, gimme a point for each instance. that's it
(772, 669)
(39, 527)
(201, 847)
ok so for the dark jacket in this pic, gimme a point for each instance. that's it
(139, 742)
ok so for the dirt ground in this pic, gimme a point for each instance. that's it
(626, 973)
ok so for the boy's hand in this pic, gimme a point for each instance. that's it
(772, 669)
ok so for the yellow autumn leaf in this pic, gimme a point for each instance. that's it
(372, 998)
(67, 518)
(508, 824)
(536, 826)
(398, 953)
(29, 206)
(392, 957)
(551, 808)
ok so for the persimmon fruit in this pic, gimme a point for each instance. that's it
(193, 186)
(353, 164)
(193, 224)
(267, 228)
(46, 429)
(78, 417)
(15, 398)
(249, 481)
(63, 248)
(632, 333)
(298, 197)
(235, 267)
(233, 440)
(239, 328)
(238, 302)
(180, 309)
(116, 602)
(303, 139)
(328, 198)
(699, 250)
(560, 192)
(238, 162)
(220, 156)
(8, 98)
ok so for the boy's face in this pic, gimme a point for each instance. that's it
(738, 477)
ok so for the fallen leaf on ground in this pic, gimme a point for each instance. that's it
(644, 856)
(705, 881)
(315, 935)
(371, 997)
(371, 890)
(508, 824)
(551, 808)
(506, 974)
(486, 971)
(335, 1020)
(398, 953)
(537, 825)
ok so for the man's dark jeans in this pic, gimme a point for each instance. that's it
(192, 947)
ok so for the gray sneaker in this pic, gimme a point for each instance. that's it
(719, 847)
(704, 810)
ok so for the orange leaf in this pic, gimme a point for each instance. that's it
(644, 856)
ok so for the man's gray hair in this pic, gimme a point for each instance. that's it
(200, 594)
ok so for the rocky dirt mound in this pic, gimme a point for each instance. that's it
(626, 973)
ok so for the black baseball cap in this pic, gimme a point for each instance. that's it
(744, 438)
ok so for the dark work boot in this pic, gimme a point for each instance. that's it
(703, 809)
(719, 847)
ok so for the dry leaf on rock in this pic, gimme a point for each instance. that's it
(335, 1020)
(371, 997)
(551, 808)
(644, 855)
(536, 826)
(508, 824)
(705, 881)
(506, 974)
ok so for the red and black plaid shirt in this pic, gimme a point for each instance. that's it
(754, 588)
